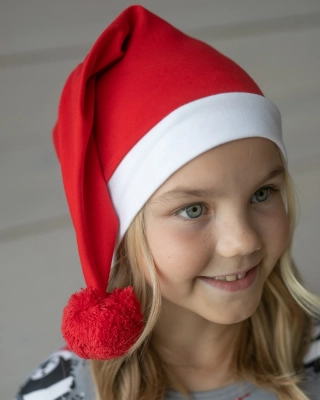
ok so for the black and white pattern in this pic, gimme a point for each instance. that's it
(65, 376)
(312, 358)
(60, 377)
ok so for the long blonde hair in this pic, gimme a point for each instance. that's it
(270, 345)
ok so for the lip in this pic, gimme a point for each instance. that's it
(233, 273)
(233, 286)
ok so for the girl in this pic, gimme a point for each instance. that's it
(176, 177)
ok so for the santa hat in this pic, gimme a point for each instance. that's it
(146, 100)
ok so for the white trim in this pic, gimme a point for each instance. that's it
(181, 136)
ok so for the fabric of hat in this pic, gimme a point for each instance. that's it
(146, 100)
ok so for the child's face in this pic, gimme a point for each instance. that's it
(216, 217)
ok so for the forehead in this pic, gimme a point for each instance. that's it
(239, 160)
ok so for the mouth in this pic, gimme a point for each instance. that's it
(233, 282)
(233, 277)
(230, 278)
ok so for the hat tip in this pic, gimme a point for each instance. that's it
(102, 328)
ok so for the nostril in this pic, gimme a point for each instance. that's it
(231, 244)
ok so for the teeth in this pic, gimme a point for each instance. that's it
(230, 278)
(220, 278)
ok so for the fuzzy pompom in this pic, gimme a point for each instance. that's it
(102, 328)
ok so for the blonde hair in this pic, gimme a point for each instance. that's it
(270, 345)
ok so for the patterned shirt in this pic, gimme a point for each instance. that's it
(65, 376)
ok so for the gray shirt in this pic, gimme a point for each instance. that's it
(65, 376)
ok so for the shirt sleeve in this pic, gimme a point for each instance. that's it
(62, 376)
(312, 358)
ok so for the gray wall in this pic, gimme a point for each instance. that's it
(276, 41)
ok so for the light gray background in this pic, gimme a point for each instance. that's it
(41, 41)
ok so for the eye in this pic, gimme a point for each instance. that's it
(263, 194)
(193, 211)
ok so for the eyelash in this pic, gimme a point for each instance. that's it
(271, 188)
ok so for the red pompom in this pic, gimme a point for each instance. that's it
(102, 328)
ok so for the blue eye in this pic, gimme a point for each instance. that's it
(262, 194)
(193, 211)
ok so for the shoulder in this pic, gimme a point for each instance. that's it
(65, 376)
(311, 386)
(312, 358)
(62, 376)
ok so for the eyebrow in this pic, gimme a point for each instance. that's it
(182, 192)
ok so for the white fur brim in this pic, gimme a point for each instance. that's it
(183, 135)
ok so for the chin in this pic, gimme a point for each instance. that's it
(233, 316)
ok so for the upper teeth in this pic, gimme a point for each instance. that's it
(230, 278)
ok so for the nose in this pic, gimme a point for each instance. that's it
(237, 236)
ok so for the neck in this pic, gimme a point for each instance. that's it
(197, 351)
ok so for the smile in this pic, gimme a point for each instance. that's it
(233, 277)
(230, 278)
(234, 282)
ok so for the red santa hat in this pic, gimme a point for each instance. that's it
(146, 100)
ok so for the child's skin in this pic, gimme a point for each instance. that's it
(232, 230)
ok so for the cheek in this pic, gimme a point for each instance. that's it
(179, 254)
(276, 230)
